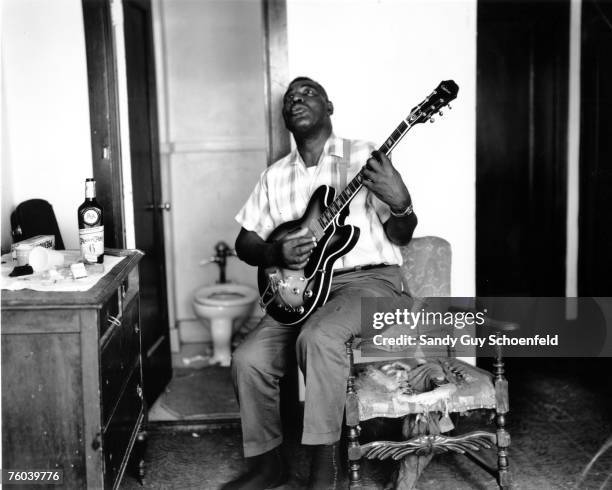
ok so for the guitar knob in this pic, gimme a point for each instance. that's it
(308, 293)
(296, 291)
(300, 310)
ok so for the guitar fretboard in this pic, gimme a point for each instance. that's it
(355, 184)
(441, 96)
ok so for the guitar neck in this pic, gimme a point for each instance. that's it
(346, 196)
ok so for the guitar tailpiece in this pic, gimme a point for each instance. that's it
(264, 304)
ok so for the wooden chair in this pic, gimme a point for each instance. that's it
(426, 273)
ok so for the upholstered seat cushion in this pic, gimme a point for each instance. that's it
(395, 388)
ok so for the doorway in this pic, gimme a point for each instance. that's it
(145, 167)
(147, 198)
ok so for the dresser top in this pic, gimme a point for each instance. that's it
(95, 297)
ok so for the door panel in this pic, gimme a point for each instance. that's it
(146, 182)
(521, 148)
(595, 259)
(104, 117)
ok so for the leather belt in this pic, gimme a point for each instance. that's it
(346, 270)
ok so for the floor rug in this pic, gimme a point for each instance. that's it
(200, 393)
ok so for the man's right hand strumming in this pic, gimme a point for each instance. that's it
(295, 249)
(290, 252)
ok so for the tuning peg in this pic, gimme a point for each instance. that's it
(440, 113)
(431, 119)
(449, 107)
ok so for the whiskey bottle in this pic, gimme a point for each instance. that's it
(91, 226)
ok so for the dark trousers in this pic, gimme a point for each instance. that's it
(264, 356)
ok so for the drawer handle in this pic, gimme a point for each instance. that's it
(113, 320)
(95, 444)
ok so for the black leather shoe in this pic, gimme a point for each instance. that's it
(268, 470)
(325, 471)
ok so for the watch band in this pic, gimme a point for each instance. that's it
(406, 212)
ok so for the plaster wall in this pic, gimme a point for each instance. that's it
(212, 123)
(46, 145)
(377, 60)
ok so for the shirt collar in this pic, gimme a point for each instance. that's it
(334, 146)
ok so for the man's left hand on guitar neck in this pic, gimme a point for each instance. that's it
(383, 179)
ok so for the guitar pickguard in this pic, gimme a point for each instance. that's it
(290, 296)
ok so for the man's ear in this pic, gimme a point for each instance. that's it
(330, 107)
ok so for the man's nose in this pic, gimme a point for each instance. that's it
(297, 98)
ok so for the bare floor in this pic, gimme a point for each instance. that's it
(561, 416)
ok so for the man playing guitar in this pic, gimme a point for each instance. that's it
(383, 213)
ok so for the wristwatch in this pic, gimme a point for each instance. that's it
(406, 212)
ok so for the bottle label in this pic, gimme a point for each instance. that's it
(92, 243)
(91, 216)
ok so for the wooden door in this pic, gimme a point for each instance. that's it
(595, 238)
(104, 117)
(522, 66)
(148, 208)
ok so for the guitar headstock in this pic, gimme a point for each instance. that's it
(434, 102)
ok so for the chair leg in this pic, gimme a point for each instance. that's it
(354, 461)
(503, 441)
(352, 422)
(503, 438)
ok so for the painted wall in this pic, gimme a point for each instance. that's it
(211, 99)
(210, 72)
(377, 60)
(46, 147)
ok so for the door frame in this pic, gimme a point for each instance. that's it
(276, 65)
(104, 118)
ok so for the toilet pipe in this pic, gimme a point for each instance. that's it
(223, 252)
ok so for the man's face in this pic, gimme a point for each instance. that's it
(305, 106)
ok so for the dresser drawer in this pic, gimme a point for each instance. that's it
(122, 428)
(120, 352)
(114, 308)
(111, 313)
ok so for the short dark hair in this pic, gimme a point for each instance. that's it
(317, 85)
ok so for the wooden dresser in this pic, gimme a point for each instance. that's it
(72, 378)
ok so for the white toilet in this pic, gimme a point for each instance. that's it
(224, 307)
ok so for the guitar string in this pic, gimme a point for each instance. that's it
(417, 114)
(351, 189)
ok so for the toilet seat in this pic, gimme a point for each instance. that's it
(225, 295)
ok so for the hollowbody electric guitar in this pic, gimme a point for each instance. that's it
(290, 296)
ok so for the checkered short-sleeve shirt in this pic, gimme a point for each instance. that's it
(284, 189)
